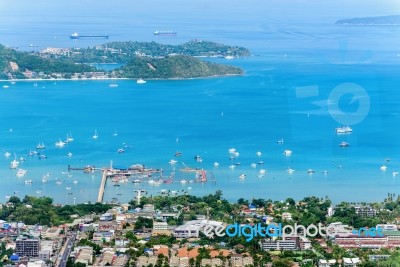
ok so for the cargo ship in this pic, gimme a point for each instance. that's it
(165, 33)
(75, 35)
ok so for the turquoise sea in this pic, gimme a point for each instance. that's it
(306, 77)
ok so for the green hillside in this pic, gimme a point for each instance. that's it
(174, 67)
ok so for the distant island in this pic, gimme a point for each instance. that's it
(380, 20)
(140, 60)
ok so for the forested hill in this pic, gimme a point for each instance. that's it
(179, 67)
(122, 52)
(22, 65)
(139, 59)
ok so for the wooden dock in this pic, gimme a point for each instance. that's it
(102, 185)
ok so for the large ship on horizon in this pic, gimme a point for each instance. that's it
(75, 35)
(165, 33)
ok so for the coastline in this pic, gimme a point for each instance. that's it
(133, 79)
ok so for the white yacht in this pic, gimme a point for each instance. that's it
(242, 176)
(262, 171)
(69, 154)
(14, 164)
(290, 171)
(5, 86)
(7, 154)
(280, 141)
(21, 173)
(287, 152)
(60, 143)
(232, 167)
(172, 162)
(383, 168)
(253, 165)
(232, 150)
(28, 181)
(113, 85)
(310, 171)
(344, 144)
(216, 164)
(140, 81)
(343, 130)
(258, 153)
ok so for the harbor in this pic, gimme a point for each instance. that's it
(137, 174)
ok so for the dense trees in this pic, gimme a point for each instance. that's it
(177, 66)
(26, 61)
(143, 60)
(122, 52)
(33, 210)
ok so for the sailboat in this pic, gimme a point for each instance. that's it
(115, 132)
(69, 138)
(95, 136)
(40, 146)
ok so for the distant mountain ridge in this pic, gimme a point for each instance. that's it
(379, 20)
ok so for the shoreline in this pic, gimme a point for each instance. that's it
(133, 79)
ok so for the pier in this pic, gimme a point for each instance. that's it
(134, 171)
(102, 185)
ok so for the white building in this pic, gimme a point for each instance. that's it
(286, 216)
(288, 244)
(148, 208)
(193, 228)
(326, 263)
(351, 262)
(160, 228)
(386, 227)
(106, 217)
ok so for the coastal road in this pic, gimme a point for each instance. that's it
(67, 250)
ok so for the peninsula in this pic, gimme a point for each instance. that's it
(380, 20)
(147, 60)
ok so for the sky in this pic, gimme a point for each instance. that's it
(221, 8)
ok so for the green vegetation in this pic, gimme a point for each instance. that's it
(33, 210)
(24, 61)
(143, 222)
(146, 60)
(4, 254)
(122, 52)
(380, 20)
(179, 67)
